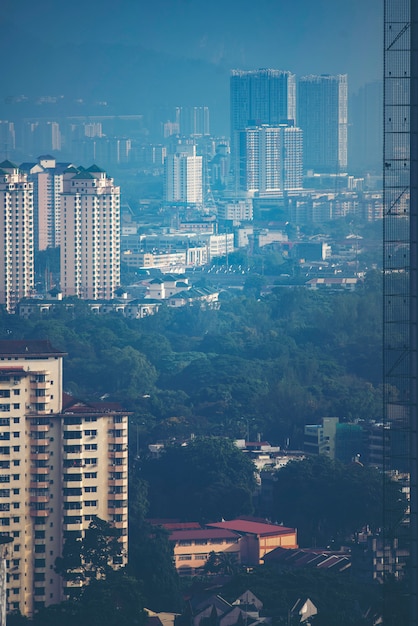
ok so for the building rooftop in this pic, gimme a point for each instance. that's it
(251, 527)
(28, 347)
(202, 533)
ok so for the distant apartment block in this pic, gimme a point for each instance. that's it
(47, 177)
(62, 462)
(269, 159)
(16, 236)
(323, 117)
(264, 96)
(90, 232)
(193, 121)
(183, 175)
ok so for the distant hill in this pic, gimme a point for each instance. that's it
(129, 78)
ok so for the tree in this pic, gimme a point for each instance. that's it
(206, 480)
(328, 501)
(151, 562)
(90, 557)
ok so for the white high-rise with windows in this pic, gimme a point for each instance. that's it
(90, 235)
(16, 236)
(269, 159)
(183, 175)
(62, 462)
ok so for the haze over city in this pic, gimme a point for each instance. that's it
(200, 424)
(178, 52)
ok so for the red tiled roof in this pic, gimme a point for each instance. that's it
(12, 370)
(202, 533)
(253, 528)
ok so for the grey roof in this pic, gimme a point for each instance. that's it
(83, 176)
(8, 165)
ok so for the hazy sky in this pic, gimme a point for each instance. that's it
(303, 36)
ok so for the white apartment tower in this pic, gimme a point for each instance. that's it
(269, 159)
(47, 177)
(16, 236)
(183, 176)
(62, 462)
(90, 235)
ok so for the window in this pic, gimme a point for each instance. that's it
(90, 475)
(90, 503)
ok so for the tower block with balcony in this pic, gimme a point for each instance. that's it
(62, 463)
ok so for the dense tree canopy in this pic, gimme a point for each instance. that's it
(276, 362)
(328, 502)
(206, 480)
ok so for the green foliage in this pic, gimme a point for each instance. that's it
(92, 556)
(279, 362)
(112, 601)
(151, 562)
(206, 480)
(328, 502)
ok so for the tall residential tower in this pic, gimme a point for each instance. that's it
(16, 236)
(62, 463)
(90, 235)
(323, 117)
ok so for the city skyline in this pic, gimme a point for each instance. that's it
(177, 52)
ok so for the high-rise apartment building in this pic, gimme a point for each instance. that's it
(90, 234)
(183, 175)
(193, 121)
(16, 236)
(269, 159)
(262, 96)
(323, 117)
(62, 463)
(47, 177)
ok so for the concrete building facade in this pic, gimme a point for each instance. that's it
(323, 118)
(61, 464)
(16, 236)
(90, 230)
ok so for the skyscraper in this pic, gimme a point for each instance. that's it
(193, 121)
(323, 117)
(62, 463)
(269, 159)
(90, 235)
(262, 96)
(16, 236)
(47, 177)
(183, 175)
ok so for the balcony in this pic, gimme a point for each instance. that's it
(36, 499)
(37, 471)
(118, 454)
(39, 512)
(39, 442)
(39, 456)
(42, 399)
(39, 428)
(39, 484)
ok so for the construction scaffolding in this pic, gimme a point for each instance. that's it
(400, 321)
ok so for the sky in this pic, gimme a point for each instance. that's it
(304, 36)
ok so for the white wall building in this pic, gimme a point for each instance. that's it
(61, 463)
(90, 229)
(183, 176)
(16, 236)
